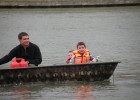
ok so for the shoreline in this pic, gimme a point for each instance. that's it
(66, 3)
(73, 6)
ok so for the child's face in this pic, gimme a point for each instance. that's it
(81, 49)
(70, 54)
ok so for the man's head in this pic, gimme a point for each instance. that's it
(23, 38)
(81, 47)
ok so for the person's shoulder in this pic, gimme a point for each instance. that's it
(33, 44)
(17, 47)
(74, 51)
(87, 50)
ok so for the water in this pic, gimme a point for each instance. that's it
(111, 33)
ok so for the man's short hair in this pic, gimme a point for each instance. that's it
(22, 34)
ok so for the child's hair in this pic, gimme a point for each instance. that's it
(70, 51)
(80, 43)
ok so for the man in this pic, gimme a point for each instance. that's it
(26, 50)
(81, 55)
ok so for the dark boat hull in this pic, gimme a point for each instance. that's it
(74, 72)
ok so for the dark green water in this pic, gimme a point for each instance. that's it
(112, 33)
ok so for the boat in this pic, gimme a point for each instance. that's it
(68, 72)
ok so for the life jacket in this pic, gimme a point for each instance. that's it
(85, 58)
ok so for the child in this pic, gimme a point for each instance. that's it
(81, 55)
(70, 54)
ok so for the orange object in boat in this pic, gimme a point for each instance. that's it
(19, 63)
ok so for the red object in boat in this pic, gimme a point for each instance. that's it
(19, 63)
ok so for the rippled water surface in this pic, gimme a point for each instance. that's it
(112, 33)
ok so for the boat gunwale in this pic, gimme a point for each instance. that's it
(61, 65)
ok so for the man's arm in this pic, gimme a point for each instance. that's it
(7, 57)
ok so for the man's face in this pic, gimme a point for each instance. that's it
(24, 41)
(81, 49)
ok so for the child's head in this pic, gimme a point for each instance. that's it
(70, 53)
(81, 47)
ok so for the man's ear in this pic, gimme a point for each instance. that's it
(19, 40)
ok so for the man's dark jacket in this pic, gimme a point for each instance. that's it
(31, 54)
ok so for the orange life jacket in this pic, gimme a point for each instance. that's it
(85, 58)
